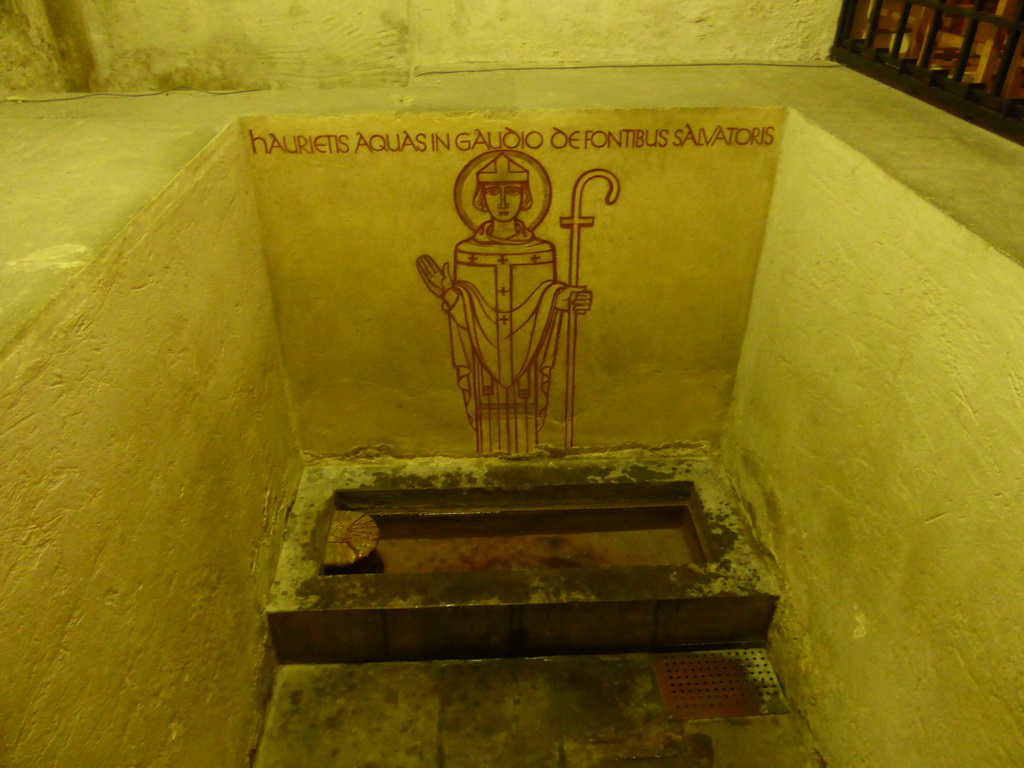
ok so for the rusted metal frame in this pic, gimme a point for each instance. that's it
(968, 43)
(970, 13)
(925, 60)
(844, 32)
(1009, 53)
(873, 18)
(1006, 122)
(901, 30)
(936, 86)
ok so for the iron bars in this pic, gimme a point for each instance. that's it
(962, 55)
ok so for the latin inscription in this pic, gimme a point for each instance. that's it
(478, 140)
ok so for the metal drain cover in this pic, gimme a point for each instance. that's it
(711, 684)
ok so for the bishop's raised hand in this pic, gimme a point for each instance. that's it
(437, 279)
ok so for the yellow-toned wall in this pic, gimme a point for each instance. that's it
(878, 432)
(28, 60)
(145, 463)
(124, 45)
(671, 265)
(455, 35)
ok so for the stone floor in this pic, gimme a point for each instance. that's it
(562, 712)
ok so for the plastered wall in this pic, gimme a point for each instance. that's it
(28, 60)
(878, 432)
(146, 463)
(347, 206)
(241, 44)
(453, 34)
(124, 45)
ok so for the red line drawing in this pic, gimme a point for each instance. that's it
(575, 222)
(506, 306)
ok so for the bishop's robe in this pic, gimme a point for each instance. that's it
(504, 334)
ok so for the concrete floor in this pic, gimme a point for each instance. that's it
(562, 712)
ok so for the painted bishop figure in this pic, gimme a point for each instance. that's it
(505, 304)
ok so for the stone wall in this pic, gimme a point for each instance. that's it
(125, 45)
(452, 34)
(28, 59)
(877, 430)
(146, 462)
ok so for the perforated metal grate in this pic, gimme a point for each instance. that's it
(710, 684)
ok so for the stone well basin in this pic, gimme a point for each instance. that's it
(625, 551)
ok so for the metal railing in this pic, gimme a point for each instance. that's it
(962, 55)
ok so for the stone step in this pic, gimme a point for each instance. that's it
(557, 712)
